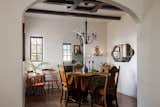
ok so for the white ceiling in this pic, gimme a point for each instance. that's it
(54, 7)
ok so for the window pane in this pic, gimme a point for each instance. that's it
(33, 57)
(64, 47)
(39, 41)
(69, 47)
(64, 58)
(39, 57)
(36, 49)
(33, 41)
(69, 58)
(33, 48)
(39, 49)
(67, 52)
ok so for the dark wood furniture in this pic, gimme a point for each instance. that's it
(113, 83)
(99, 97)
(68, 68)
(83, 82)
(66, 89)
(84, 78)
(108, 92)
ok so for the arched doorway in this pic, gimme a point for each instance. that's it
(131, 13)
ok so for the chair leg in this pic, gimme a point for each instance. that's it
(66, 98)
(52, 87)
(80, 99)
(61, 96)
(92, 99)
(57, 85)
(116, 100)
(44, 91)
(48, 87)
(79, 104)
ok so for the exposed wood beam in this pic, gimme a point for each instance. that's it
(73, 14)
(99, 5)
(76, 3)
(72, 2)
(110, 7)
(60, 2)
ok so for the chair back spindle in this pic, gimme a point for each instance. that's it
(62, 75)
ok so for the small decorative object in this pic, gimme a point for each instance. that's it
(97, 51)
(122, 53)
(77, 49)
(77, 55)
(84, 69)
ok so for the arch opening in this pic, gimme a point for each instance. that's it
(124, 8)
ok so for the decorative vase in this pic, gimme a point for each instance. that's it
(84, 69)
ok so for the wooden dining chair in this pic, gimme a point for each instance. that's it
(50, 78)
(99, 96)
(36, 84)
(77, 68)
(66, 89)
(113, 83)
(29, 83)
(108, 93)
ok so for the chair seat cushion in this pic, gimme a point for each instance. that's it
(49, 80)
(39, 84)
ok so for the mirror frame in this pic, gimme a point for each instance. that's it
(122, 53)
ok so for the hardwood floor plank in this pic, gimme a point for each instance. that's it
(53, 100)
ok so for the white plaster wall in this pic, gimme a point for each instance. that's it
(148, 58)
(57, 30)
(121, 32)
(133, 5)
(11, 91)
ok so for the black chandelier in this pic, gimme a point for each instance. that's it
(85, 37)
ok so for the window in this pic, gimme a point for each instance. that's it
(67, 52)
(36, 49)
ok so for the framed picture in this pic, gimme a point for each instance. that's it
(77, 49)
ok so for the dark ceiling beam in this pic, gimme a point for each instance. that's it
(110, 7)
(99, 5)
(73, 14)
(72, 2)
(60, 2)
(76, 4)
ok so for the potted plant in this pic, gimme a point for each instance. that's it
(105, 67)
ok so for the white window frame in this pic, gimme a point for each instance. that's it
(67, 52)
(41, 53)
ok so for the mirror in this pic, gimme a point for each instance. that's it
(122, 53)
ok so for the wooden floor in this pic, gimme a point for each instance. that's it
(53, 100)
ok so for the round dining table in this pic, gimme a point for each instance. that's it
(85, 81)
